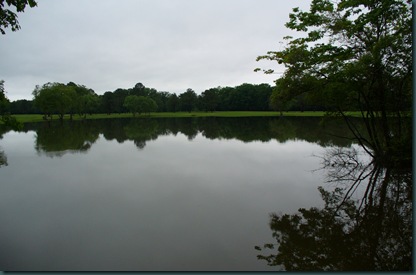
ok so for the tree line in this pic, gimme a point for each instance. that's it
(74, 99)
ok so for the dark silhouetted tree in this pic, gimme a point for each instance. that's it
(209, 100)
(188, 100)
(355, 55)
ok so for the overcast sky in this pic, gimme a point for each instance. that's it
(169, 45)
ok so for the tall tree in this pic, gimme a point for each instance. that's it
(172, 103)
(139, 89)
(356, 54)
(118, 100)
(188, 100)
(107, 102)
(8, 18)
(209, 100)
(4, 101)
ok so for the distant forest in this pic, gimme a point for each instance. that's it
(71, 98)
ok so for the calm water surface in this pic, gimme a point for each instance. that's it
(152, 194)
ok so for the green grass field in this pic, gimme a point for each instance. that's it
(38, 118)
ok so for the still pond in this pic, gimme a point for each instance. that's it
(155, 194)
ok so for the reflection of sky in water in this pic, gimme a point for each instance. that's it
(174, 205)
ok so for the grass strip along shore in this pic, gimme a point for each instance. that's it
(24, 118)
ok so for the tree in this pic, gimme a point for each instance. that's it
(4, 102)
(6, 118)
(172, 103)
(54, 98)
(85, 101)
(355, 54)
(132, 103)
(209, 100)
(139, 104)
(88, 104)
(278, 102)
(188, 100)
(107, 102)
(118, 100)
(149, 105)
(8, 18)
(225, 99)
(139, 89)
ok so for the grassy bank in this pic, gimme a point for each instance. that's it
(38, 118)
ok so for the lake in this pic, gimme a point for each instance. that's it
(155, 194)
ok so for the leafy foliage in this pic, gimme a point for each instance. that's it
(354, 55)
(54, 98)
(6, 118)
(139, 104)
(8, 18)
(188, 100)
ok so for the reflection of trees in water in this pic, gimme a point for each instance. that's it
(326, 131)
(373, 232)
(3, 159)
(189, 127)
(141, 130)
(57, 139)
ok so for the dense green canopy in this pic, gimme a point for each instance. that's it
(353, 55)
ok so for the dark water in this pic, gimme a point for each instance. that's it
(155, 194)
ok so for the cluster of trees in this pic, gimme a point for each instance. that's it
(71, 98)
(61, 99)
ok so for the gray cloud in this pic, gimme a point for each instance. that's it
(170, 45)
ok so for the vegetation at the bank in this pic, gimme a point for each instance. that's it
(5, 117)
(351, 58)
(352, 55)
(59, 99)
(38, 117)
(74, 101)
